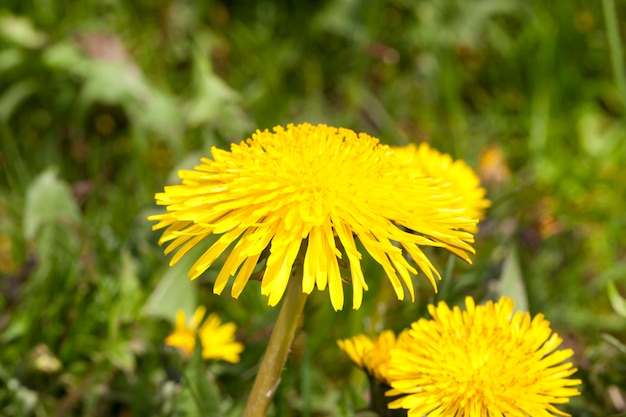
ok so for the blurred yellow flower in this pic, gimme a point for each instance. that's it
(485, 361)
(218, 340)
(310, 190)
(492, 166)
(356, 347)
(455, 177)
(372, 355)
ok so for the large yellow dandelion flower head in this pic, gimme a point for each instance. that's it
(217, 339)
(320, 191)
(485, 361)
(453, 175)
(372, 355)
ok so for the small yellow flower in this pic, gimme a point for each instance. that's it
(324, 192)
(218, 340)
(453, 176)
(485, 361)
(492, 166)
(372, 355)
(356, 348)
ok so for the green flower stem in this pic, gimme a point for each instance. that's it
(268, 377)
(615, 46)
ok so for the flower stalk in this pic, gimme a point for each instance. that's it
(268, 377)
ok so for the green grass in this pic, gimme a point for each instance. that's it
(102, 102)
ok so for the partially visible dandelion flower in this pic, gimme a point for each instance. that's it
(454, 176)
(356, 347)
(218, 340)
(316, 190)
(372, 355)
(492, 166)
(485, 361)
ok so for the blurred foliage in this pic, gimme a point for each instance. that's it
(101, 101)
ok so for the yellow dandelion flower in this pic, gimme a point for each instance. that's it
(218, 340)
(372, 355)
(377, 359)
(485, 361)
(455, 176)
(356, 347)
(318, 190)
(492, 166)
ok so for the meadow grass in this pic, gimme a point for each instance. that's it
(102, 102)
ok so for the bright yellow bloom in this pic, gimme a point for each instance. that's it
(218, 340)
(356, 347)
(371, 355)
(492, 166)
(454, 176)
(310, 189)
(483, 362)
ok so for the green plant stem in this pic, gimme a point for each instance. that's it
(446, 281)
(268, 377)
(615, 46)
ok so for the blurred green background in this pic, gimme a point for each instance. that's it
(102, 101)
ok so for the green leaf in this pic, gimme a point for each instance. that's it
(214, 102)
(121, 356)
(202, 385)
(65, 56)
(11, 58)
(14, 96)
(617, 301)
(212, 94)
(127, 303)
(48, 200)
(615, 342)
(174, 291)
(161, 115)
(129, 288)
(16, 328)
(596, 136)
(20, 30)
(512, 282)
(113, 83)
